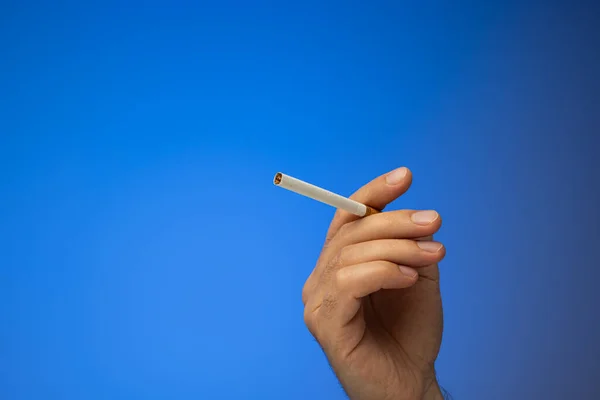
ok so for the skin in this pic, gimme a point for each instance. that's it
(373, 299)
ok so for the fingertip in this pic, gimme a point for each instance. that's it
(407, 278)
(429, 246)
(408, 272)
(442, 253)
(424, 217)
(432, 251)
(398, 176)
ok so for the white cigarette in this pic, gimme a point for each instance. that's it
(322, 195)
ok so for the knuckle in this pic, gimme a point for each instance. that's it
(336, 260)
(309, 287)
(330, 238)
(310, 320)
(343, 254)
(343, 231)
(341, 279)
(340, 257)
(325, 275)
(328, 305)
(306, 289)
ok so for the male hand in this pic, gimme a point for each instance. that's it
(373, 300)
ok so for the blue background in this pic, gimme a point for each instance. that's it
(145, 253)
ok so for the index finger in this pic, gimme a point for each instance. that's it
(377, 194)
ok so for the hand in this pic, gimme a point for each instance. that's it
(373, 300)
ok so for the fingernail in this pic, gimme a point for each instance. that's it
(407, 271)
(431, 247)
(424, 217)
(396, 176)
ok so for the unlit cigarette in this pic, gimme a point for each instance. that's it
(322, 195)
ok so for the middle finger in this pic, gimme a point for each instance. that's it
(403, 224)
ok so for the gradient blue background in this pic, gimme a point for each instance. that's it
(138, 259)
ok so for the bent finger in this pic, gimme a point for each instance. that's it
(353, 283)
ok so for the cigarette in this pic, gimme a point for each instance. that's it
(324, 196)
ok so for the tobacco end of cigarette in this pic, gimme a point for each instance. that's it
(371, 211)
(277, 179)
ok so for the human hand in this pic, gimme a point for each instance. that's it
(373, 300)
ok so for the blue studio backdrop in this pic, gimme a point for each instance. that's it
(145, 253)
